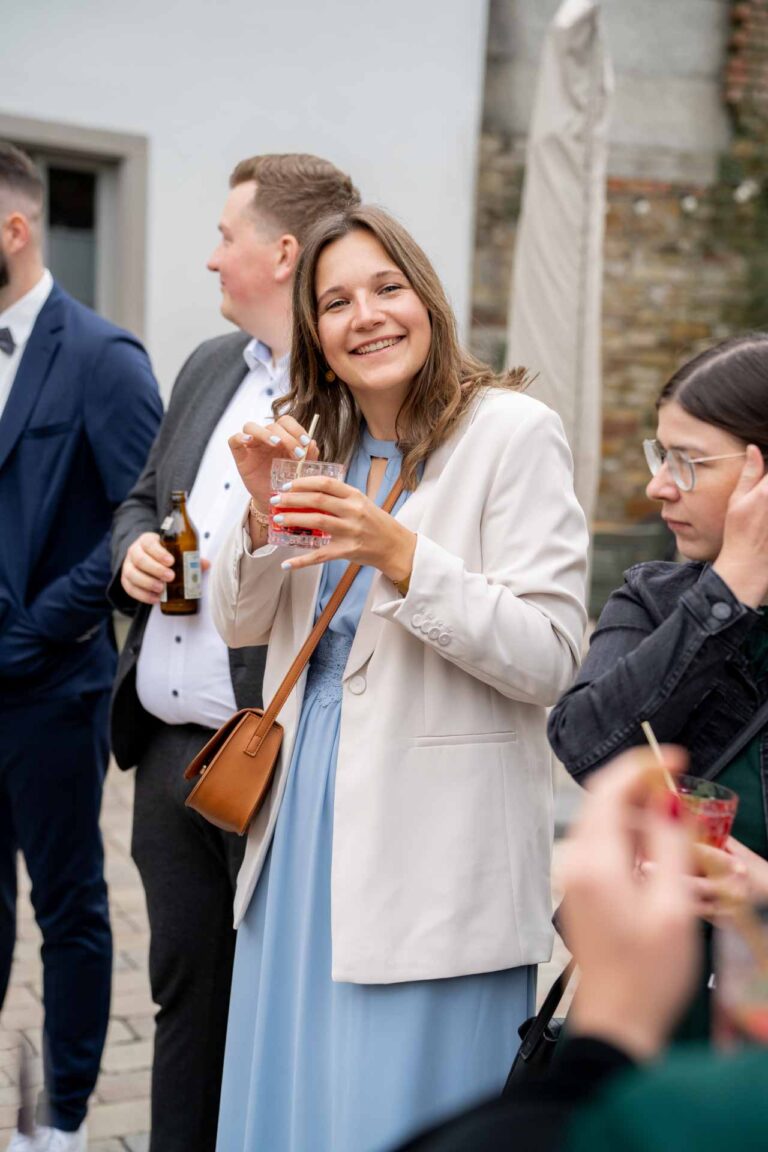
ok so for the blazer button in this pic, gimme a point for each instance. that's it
(444, 639)
(357, 685)
(433, 633)
(417, 620)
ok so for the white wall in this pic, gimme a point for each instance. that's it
(390, 90)
(668, 120)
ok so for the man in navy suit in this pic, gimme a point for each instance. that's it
(79, 408)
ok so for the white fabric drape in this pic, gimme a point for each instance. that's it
(555, 305)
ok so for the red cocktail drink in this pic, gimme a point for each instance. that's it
(282, 534)
(284, 472)
(712, 806)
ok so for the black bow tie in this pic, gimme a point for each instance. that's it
(7, 343)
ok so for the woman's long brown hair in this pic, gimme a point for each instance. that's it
(441, 389)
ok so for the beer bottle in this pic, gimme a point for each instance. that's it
(178, 534)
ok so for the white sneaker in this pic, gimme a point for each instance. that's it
(54, 1140)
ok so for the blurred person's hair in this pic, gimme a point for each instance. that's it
(20, 175)
(295, 190)
(726, 386)
(442, 389)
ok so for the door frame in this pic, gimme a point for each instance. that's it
(127, 155)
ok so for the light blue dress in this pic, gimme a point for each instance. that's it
(314, 1066)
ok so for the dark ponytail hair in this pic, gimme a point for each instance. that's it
(727, 386)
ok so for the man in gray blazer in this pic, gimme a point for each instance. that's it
(176, 680)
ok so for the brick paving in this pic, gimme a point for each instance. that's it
(118, 1119)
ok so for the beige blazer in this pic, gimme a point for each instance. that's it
(443, 822)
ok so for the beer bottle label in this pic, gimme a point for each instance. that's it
(192, 583)
(166, 524)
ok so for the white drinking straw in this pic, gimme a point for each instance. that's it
(310, 434)
(651, 738)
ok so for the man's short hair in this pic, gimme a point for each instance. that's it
(19, 174)
(295, 190)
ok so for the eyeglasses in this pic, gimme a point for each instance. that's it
(681, 465)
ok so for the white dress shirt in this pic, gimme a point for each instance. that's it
(21, 318)
(183, 674)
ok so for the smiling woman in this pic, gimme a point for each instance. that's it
(374, 329)
(685, 646)
(394, 899)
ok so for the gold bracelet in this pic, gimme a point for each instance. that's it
(403, 585)
(261, 518)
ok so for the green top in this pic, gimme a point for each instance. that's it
(695, 1099)
(743, 776)
(743, 773)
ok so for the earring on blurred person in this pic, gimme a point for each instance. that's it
(330, 375)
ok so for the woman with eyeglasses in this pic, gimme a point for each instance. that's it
(685, 645)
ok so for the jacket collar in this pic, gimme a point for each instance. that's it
(33, 371)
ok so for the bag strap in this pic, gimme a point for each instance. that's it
(547, 1011)
(312, 641)
(758, 721)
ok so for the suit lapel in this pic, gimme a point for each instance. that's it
(304, 600)
(33, 371)
(206, 408)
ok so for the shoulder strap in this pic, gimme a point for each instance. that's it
(758, 721)
(312, 641)
(547, 1011)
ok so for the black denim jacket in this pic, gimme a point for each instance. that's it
(667, 649)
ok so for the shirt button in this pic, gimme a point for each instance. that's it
(444, 639)
(226, 486)
(270, 391)
(174, 691)
(177, 639)
(206, 535)
(357, 685)
(721, 611)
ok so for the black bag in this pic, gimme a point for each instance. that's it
(539, 1035)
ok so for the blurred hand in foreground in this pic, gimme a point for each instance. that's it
(634, 936)
(726, 879)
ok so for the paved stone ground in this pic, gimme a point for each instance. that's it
(119, 1115)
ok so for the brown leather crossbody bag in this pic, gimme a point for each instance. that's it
(235, 768)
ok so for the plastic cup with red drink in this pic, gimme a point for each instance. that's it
(712, 807)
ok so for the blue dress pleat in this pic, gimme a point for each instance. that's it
(317, 1066)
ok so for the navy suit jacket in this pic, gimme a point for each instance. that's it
(74, 435)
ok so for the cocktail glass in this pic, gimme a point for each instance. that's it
(286, 470)
(712, 806)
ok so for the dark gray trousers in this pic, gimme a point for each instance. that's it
(188, 869)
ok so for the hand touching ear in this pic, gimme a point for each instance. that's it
(743, 559)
